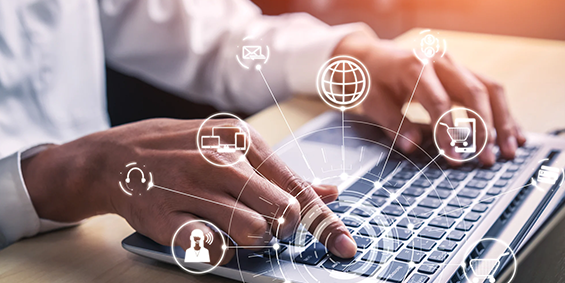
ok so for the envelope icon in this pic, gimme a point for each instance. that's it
(252, 52)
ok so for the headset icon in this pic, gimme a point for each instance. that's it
(134, 169)
(125, 187)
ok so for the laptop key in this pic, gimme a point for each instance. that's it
(447, 246)
(421, 244)
(382, 193)
(339, 207)
(485, 175)
(393, 210)
(418, 278)
(513, 168)
(432, 233)
(507, 175)
(298, 239)
(460, 202)
(362, 186)
(428, 268)
(405, 175)
(468, 193)
(389, 245)
(335, 265)
(362, 242)
(375, 201)
(413, 192)
(477, 184)
(422, 182)
(448, 185)
(457, 176)
(382, 220)
(352, 221)
(421, 212)
(312, 255)
(376, 256)
(472, 216)
(487, 199)
(456, 236)
(442, 222)
(500, 183)
(439, 194)
(363, 269)
(363, 212)
(430, 202)
(464, 226)
(404, 201)
(451, 212)
(395, 272)
(494, 191)
(410, 255)
(406, 221)
(399, 234)
(480, 207)
(370, 230)
(438, 256)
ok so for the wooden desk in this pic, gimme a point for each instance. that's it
(532, 71)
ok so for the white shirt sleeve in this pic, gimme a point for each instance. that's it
(18, 218)
(189, 47)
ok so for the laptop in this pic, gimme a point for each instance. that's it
(414, 218)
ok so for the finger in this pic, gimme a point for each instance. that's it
(327, 193)
(464, 86)
(388, 113)
(277, 206)
(184, 241)
(509, 136)
(434, 99)
(246, 226)
(316, 216)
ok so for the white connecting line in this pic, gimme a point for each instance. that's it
(210, 201)
(402, 121)
(290, 129)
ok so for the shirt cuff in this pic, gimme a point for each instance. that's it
(319, 42)
(18, 218)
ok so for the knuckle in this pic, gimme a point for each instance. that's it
(292, 183)
(477, 90)
(254, 227)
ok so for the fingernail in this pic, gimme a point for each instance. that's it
(489, 158)
(344, 246)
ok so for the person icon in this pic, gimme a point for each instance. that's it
(197, 252)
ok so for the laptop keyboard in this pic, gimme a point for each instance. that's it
(407, 227)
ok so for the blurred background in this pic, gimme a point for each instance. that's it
(389, 18)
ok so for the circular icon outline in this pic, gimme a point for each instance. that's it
(362, 68)
(514, 261)
(149, 180)
(247, 138)
(442, 151)
(208, 223)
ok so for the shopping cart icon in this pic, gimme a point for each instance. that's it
(457, 134)
(486, 268)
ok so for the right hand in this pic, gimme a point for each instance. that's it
(79, 179)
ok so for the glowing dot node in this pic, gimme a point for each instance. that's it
(343, 176)
(410, 226)
(425, 61)
(281, 220)
(224, 247)
(378, 185)
(276, 246)
(292, 200)
(442, 152)
(242, 158)
(316, 181)
(257, 67)
(411, 265)
(342, 108)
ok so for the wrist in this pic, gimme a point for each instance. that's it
(57, 187)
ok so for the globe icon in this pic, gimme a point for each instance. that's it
(343, 82)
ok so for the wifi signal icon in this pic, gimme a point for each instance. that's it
(209, 238)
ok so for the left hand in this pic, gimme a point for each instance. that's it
(394, 73)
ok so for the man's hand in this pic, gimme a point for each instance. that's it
(80, 179)
(394, 73)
